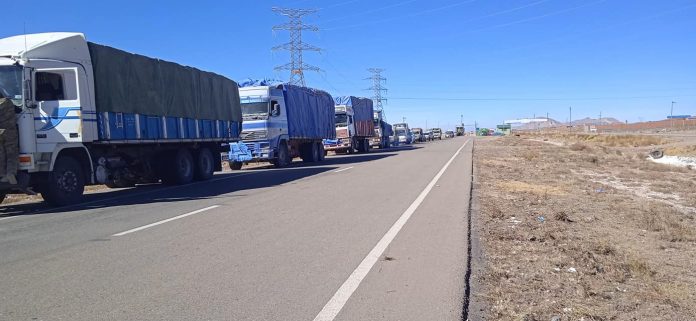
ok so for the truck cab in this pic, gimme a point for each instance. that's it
(345, 131)
(417, 134)
(264, 123)
(437, 133)
(402, 134)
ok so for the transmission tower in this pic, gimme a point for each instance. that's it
(377, 89)
(295, 46)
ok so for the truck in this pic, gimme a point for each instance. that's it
(460, 130)
(382, 131)
(281, 122)
(402, 134)
(437, 133)
(353, 117)
(418, 135)
(92, 114)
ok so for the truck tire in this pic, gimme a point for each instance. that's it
(180, 168)
(366, 144)
(316, 153)
(2, 197)
(65, 184)
(235, 166)
(205, 165)
(322, 152)
(282, 160)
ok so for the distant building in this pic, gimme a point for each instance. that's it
(504, 129)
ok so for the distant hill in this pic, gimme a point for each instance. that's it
(580, 122)
(595, 121)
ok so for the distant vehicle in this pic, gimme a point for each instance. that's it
(460, 131)
(449, 134)
(92, 114)
(353, 117)
(403, 133)
(383, 132)
(427, 136)
(283, 121)
(437, 133)
(417, 135)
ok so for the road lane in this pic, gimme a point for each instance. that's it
(275, 248)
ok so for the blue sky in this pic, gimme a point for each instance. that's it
(486, 60)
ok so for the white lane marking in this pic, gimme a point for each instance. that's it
(122, 196)
(165, 221)
(339, 299)
(343, 169)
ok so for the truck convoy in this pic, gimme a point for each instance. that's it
(402, 134)
(382, 132)
(281, 122)
(91, 114)
(353, 117)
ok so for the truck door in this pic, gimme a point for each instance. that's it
(58, 116)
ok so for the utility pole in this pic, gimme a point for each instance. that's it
(671, 114)
(403, 119)
(296, 46)
(377, 88)
(570, 118)
(461, 120)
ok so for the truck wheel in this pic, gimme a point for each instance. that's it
(316, 156)
(366, 144)
(322, 152)
(65, 184)
(283, 158)
(205, 165)
(180, 168)
(2, 197)
(235, 166)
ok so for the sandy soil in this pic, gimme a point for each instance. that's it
(585, 228)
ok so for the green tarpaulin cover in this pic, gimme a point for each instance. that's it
(130, 83)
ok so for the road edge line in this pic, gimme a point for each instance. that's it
(340, 298)
(165, 221)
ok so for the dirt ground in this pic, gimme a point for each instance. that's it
(578, 227)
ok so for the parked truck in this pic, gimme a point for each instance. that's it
(353, 117)
(382, 131)
(437, 133)
(460, 130)
(418, 135)
(92, 114)
(281, 122)
(402, 134)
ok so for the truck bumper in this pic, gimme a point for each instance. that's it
(258, 151)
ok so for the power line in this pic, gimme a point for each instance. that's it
(534, 99)
(371, 11)
(377, 89)
(296, 46)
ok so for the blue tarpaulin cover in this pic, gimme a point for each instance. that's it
(363, 110)
(310, 112)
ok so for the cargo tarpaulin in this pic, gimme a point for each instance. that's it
(363, 113)
(310, 113)
(130, 83)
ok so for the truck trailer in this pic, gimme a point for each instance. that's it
(92, 114)
(281, 122)
(353, 125)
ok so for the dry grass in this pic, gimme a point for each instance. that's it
(688, 150)
(618, 250)
(538, 189)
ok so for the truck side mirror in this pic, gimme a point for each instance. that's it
(28, 101)
(275, 109)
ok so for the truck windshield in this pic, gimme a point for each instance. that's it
(254, 111)
(341, 120)
(11, 84)
(400, 132)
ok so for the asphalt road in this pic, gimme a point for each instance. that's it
(358, 237)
